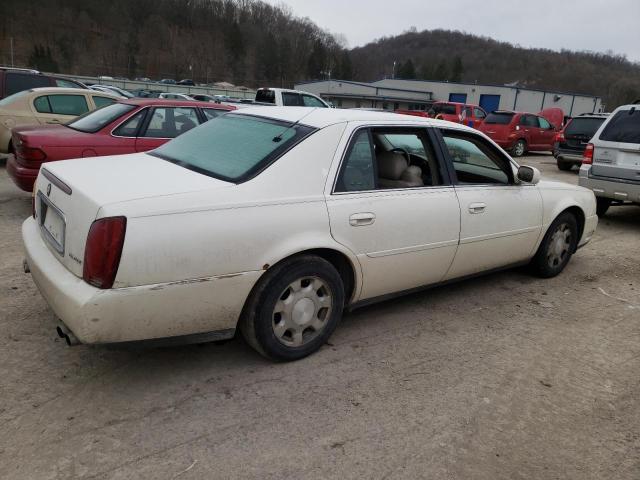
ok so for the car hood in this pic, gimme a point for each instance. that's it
(122, 178)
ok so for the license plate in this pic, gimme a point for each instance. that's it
(52, 223)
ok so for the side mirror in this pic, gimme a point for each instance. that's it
(528, 174)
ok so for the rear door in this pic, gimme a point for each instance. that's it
(57, 108)
(617, 146)
(164, 124)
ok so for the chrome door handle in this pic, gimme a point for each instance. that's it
(477, 207)
(362, 219)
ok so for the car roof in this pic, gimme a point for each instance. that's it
(323, 117)
(144, 102)
(71, 90)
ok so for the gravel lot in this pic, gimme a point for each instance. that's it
(501, 377)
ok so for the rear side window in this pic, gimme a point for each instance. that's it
(358, 173)
(544, 123)
(17, 82)
(169, 122)
(211, 113)
(499, 118)
(624, 127)
(291, 100)
(586, 127)
(41, 104)
(310, 101)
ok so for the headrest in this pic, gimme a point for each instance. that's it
(412, 173)
(391, 165)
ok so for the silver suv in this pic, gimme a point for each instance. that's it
(611, 164)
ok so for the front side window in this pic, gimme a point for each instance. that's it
(475, 161)
(68, 104)
(310, 101)
(544, 124)
(479, 113)
(444, 109)
(233, 147)
(94, 121)
(624, 127)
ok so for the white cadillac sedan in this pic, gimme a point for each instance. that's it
(273, 221)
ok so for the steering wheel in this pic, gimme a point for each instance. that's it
(403, 151)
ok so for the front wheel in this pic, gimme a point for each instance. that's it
(602, 205)
(557, 246)
(294, 309)
(519, 148)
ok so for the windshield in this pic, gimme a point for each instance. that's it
(499, 118)
(444, 108)
(91, 122)
(234, 147)
(583, 127)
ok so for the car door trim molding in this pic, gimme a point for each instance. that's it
(411, 249)
(492, 236)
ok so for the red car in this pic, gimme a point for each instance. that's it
(520, 132)
(465, 113)
(135, 125)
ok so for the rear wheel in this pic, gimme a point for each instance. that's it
(564, 166)
(519, 148)
(557, 246)
(602, 205)
(294, 309)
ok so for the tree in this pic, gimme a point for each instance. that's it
(456, 69)
(42, 59)
(407, 70)
(317, 60)
(441, 72)
(344, 70)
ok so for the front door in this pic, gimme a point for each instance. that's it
(501, 220)
(394, 206)
(547, 134)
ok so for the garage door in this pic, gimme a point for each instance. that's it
(458, 97)
(490, 102)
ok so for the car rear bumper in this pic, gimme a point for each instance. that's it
(23, 177)
(146, 312)
(613, 188)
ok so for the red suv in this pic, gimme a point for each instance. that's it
(519, 132)
(467, 114)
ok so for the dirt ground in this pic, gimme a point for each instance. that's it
(501, 377)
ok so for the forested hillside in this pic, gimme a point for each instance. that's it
(455, 56)
(248, 42)
(241, 41)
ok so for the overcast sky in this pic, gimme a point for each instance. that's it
(597, 25)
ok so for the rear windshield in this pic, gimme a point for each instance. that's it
(233, 147)
(583, 126)
(624, 127)
(444, 109)
(499, 118)
(91, 122)
(266, 96)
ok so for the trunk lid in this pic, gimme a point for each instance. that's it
(70, 193)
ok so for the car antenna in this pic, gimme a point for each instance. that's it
(278, 137)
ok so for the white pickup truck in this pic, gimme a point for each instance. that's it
(289, 98)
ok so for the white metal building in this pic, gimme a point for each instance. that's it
(394, 94)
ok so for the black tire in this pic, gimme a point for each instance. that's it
(549, 261)
(564, 166)
(519, 149)
(602, 205)
(258, 322)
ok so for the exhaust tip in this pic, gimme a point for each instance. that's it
(69, 337)
(60, 332)
(25, 266)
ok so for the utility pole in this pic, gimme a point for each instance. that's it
(11, 43)
(393, 71)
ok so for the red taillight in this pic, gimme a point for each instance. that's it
(560, 137)
(31, 154)
(587, 156)
(103, 250)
